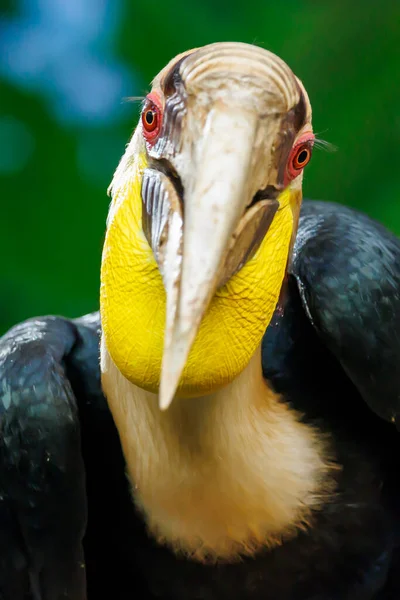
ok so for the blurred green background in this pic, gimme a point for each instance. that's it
(65, 67)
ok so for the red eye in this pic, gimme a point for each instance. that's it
(299, 157)
(151, 118)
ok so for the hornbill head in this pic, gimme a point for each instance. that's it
(205, 208)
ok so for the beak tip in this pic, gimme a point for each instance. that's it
(164, 400)
(176, 349)
(168, 384)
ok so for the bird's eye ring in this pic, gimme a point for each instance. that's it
(151, 118)
(299, 157)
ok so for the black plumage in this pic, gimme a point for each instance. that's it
(331, 350)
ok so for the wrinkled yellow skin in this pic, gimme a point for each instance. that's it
(133, 300)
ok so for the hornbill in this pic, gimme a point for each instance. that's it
(249, 355)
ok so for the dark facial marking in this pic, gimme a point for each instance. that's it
(174, 110)
(300, 112)
(173, 81)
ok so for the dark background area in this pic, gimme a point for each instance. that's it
(65, 67)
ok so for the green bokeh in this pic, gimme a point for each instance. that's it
(53, 219)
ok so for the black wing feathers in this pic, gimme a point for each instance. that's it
(42, 481)
(348, 272)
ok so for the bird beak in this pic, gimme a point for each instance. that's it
(218, 234)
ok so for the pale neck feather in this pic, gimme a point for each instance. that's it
(222, 475)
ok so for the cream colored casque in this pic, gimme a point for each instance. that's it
(204, 211)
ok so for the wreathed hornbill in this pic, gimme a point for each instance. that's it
(247, 448)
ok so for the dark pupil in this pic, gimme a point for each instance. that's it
(302, 156)
(149, 117)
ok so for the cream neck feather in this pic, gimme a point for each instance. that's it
(222, 475)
